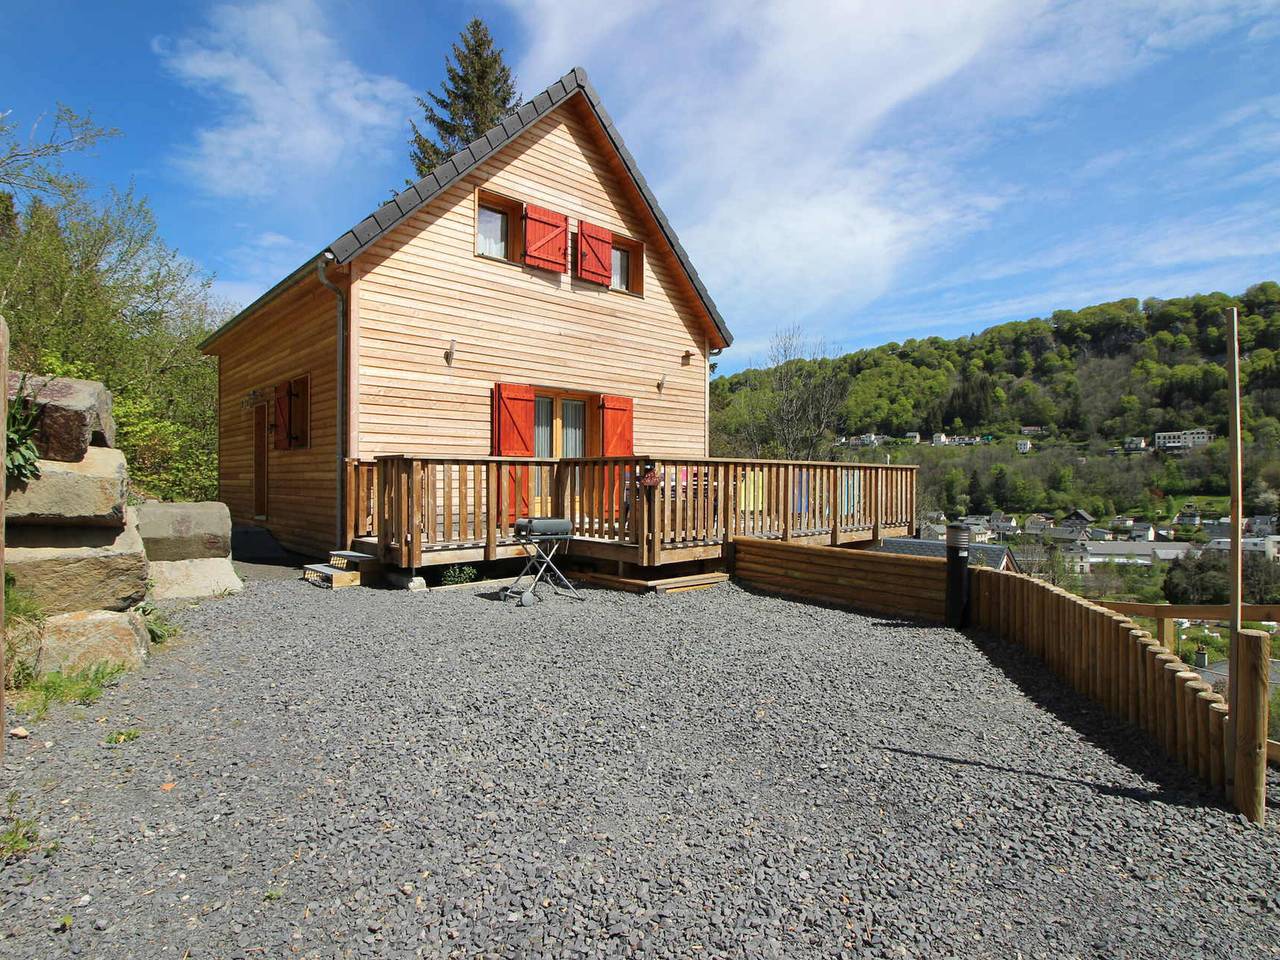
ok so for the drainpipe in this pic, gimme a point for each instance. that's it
(322, 265)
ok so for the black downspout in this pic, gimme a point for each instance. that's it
(322, 264)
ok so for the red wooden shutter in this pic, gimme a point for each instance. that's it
(513, 437)
(282, 416)
(595, 253)
(546, 238)
(616, 427)
(512, 420)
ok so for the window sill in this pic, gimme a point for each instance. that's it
(492, 259)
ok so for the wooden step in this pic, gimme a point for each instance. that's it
(352, 560)
(324, 575)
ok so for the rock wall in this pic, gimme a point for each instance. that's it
(75, 545)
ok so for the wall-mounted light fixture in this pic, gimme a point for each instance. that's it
(687, 358)
(451, 352)
(662, 382)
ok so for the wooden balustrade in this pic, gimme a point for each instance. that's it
(651, 510)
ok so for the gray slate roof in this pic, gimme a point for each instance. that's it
(980, 554)
(367, 232)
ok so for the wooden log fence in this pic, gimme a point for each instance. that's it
(884, 583)
(1105, 656)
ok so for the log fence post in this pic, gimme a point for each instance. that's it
(1249, 719)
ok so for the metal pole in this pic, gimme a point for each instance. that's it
(1236, 557)
(957, 575)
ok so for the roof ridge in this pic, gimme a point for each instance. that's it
(365, 233)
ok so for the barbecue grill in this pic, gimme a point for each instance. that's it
(541, 537)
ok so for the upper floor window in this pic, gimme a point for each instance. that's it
(498, 226)
(628, 265)
(492, 229)
(621, 269)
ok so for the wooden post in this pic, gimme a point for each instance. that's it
(1191, 709)
(875, 505)
(834, 511)
(1236, 558)
(1180, 711)
(1249, 720)
(1167, 633)
(1155, 666)
(1169, 698)
(1204, 699)
(491, 511)
(1217, 753)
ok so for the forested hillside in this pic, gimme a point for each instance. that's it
(90, 290)
(1089, 377)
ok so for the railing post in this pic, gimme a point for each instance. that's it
(957, 575)
(834, 506)
(1249, 717)
(789, 507)
(655, 515)
(380, 471)
(875, 505)
(1166, 634)
(491, 511)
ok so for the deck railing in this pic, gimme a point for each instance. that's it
(677, 507)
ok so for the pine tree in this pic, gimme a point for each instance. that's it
(477, 93)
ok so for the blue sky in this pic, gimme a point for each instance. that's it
(873, 172)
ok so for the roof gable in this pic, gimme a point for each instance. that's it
(369, 230)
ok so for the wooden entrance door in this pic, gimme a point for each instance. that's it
(260, 447)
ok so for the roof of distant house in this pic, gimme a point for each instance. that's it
(980, 554)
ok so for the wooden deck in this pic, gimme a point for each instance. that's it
(647, 511)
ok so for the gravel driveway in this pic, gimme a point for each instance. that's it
(717, 773)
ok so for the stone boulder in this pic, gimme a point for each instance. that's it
(79, 568)
(74, 415)
(185, 531)
(81, 640)
(89, 492)
(202, 577)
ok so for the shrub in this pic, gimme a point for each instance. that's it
(456, 574)
(20, 457)
(22, 619)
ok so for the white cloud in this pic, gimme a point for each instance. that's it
(809, 152)
(290, 105)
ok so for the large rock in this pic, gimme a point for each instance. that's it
(78, 641)
(202, 577)
(90, 492)
(185, 531)
(74, 415)
(79, 568)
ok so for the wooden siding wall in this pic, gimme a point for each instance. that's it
(292, 336)
(422, 286)
(887, 583)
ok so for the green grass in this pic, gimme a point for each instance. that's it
(273, 894)
(123, 736)
(21, 835)
(18, 604)
(83, 687)
(159, 627)
(1273, 715)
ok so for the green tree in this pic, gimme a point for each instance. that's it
(477, 92)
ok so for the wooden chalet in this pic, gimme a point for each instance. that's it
(519, 333)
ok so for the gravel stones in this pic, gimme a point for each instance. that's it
(376, 773)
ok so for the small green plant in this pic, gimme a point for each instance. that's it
(64, 923)
(83, 687)
(159, 627)
(21, 456)
(18, 604)
(123, 736)
(273, 894)
(21, 835)
(456, 574)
